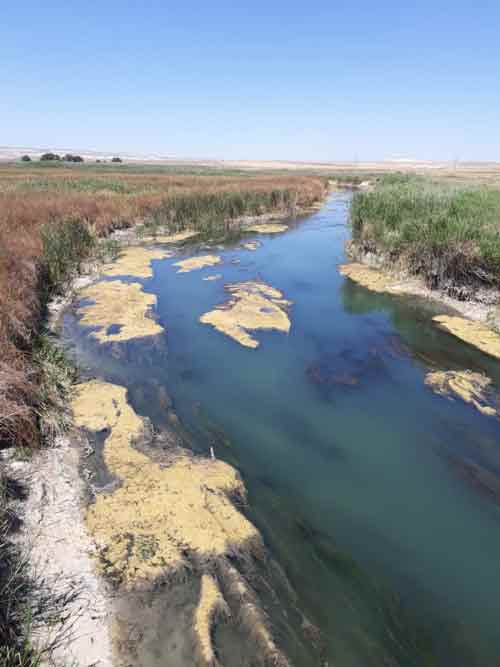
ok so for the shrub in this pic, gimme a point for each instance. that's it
(25, 158)
(72, 158)
(116, 159)
(49, 156)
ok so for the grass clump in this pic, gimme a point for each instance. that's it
(212, 213)
(65, 244)
(449, 235)
(57, 376)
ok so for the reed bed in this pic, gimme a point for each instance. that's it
(50, 219)
(449, 235)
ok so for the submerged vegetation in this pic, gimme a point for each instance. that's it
(449, 235)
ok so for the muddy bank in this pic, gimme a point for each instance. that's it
(475, 321)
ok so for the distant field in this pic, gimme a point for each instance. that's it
(486, 172)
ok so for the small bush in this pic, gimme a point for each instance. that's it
(116, 159)
(72, 158)
(47, 157)
(25, 158)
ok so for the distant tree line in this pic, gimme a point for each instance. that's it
(69, 157)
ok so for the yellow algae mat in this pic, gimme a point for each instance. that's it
(193, 263)
(376, 280)
(252, 245)
(211, 605)
(472, 332)
(124, 306)
(266, 228)
(135, 261)
(473, 388)
(161, 519)
(176, 237)
(252, 305)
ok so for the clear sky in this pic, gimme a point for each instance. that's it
(321, 80)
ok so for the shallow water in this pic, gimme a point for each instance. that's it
(359, 476)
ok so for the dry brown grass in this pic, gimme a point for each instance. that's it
(103, 200)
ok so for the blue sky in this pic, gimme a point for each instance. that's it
(268, 80)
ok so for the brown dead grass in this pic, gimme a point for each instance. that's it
(33, 197)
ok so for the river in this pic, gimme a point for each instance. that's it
(358, 474)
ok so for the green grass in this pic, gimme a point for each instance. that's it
(442, 232)
(57, 375)
(65, 244)
(213, 213)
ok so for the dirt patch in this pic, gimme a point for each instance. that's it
(252, 305)
(135, 261)
(473, 388)
(61, 551)
(199, 262)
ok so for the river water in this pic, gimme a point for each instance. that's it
(359, 476)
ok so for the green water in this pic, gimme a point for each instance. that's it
(359, 477)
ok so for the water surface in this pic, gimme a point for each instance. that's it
(359, 476)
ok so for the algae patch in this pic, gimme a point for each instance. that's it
(135, 261)
(119, 310)
(251, 245)
(161, 520)
(267, 228)
(252, 305)
(177, 237)
(199, 262)
(172, 522)
(472, 332)
(473, 388)
(375, 279)
(211, 606)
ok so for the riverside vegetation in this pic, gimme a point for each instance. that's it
(448, 234)
(52, 220)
